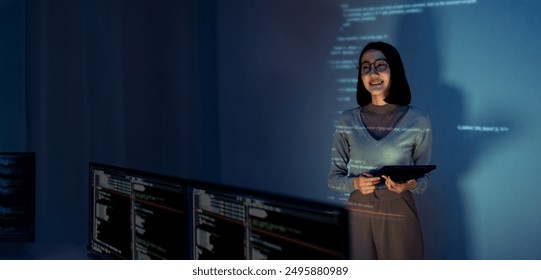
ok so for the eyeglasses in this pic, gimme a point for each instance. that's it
(379, 65)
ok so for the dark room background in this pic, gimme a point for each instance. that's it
(246, 93)
(128, 83)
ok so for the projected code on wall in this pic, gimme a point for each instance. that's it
(363, 24)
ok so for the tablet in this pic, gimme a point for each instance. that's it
(402, 173)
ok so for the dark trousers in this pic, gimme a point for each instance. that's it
(384, 225)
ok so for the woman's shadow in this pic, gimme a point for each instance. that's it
(441, 207)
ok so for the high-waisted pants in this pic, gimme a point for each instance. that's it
(384, 225)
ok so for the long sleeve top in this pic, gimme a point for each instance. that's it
(355, 151)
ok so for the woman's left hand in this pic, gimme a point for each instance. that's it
(399, 187)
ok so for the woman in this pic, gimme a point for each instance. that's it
(383, 130)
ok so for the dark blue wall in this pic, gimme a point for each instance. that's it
(280, 91)
(12, 72)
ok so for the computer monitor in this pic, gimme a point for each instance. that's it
(17, 197)
(136, 214)
(231, 223)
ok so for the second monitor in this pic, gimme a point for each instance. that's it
(232, 224)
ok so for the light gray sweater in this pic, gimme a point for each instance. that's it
(355, 151)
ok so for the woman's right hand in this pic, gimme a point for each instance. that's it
(366, 183)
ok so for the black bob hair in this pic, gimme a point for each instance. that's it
(399, 93)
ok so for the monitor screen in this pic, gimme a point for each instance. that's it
(17, 197)
(136, 214)
(234, 224)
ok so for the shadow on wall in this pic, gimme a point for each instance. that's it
(441, 207)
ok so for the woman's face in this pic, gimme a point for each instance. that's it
(375, 74)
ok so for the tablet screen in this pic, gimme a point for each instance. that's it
(401, 173)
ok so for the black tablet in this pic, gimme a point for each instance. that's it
(402, 173)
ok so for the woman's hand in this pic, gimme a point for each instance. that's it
(366, 183)
(399, 187)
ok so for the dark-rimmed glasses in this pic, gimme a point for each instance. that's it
(379, 65)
